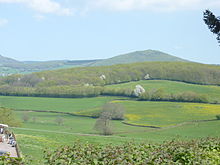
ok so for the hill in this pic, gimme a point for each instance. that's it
(10, 66)
(89, 81)
(139, 56)
(5, 61)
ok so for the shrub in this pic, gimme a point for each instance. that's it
(202, 151)
(218, 117)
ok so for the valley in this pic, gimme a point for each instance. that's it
(179, 100)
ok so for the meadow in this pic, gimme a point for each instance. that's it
(53, 104)
(172, 87)
(176, 120)
(42, 131)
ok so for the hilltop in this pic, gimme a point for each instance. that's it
(11, 66)
(139, 56)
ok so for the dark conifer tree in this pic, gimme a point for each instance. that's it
(213, 23)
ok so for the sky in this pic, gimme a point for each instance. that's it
(39, 30)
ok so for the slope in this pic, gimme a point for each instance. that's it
(5, 61)
(139, 56)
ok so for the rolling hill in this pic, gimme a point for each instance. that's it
(138, 56)
(89, 81)
(5, 61)
(10, 66)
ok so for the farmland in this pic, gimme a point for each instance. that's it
(173, 87)
(75, 88)
(177, 120)
(173, 120)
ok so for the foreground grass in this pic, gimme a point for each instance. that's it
(197, 151)
(44, 133)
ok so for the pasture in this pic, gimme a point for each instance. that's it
(53, 104)
(42, 131)
(173, 87)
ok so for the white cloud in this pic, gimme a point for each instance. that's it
(153, 5)
(43, 6)
(84, 6)
(3, 22)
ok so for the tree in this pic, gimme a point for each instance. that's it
(110, 111)
(103, 125)
(213, 23)
(114, 110)
(7, 117)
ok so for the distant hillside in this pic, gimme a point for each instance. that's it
(5, 61)
(10, 66)
(139, 56)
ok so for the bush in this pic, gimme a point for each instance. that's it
(203, 151)
(8, 117)
(218, 117)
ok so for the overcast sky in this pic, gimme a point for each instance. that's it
(97, 29)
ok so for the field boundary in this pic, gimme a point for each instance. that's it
(49, 111)
(137, 125)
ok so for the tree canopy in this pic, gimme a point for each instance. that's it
(8, 117)
(213, 23)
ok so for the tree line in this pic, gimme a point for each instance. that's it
(106, 75)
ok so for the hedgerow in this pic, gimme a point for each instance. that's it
(203, 151)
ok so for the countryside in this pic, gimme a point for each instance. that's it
(143, 107)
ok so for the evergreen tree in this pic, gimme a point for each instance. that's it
(213, 23)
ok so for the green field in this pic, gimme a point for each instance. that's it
(163, 114)
(53, 104)
(43, 132)
(177, 120)
(173, 87)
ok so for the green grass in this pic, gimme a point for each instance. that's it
(163, 114)
(41, 130)
(169, 87)
(45, 133)
(53, 104)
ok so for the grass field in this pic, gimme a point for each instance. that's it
(169, 87)
(53, 104)
(42, 131)
(163, 114)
